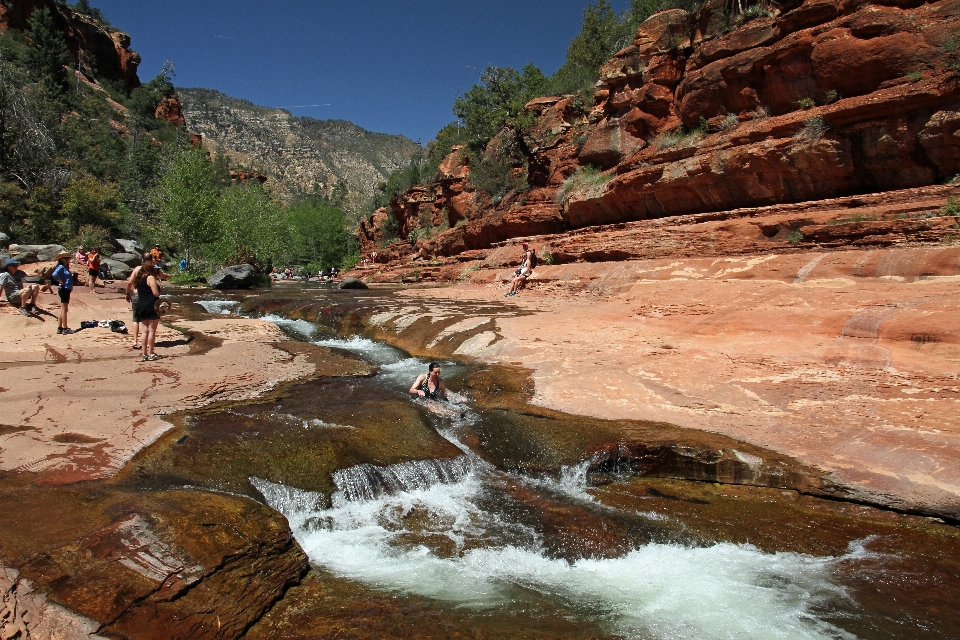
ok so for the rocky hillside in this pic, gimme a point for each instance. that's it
(88, 40)
(302, 155)
(705, 113)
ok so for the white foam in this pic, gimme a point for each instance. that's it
(219, 307)
(300, 328)
(663, 590)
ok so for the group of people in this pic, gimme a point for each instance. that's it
(142, 289)
(23, 295)
(93, 261)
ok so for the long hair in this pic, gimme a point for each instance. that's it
(145, 268)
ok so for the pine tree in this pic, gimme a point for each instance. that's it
(47, 56)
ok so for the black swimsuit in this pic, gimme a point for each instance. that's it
(436, 394)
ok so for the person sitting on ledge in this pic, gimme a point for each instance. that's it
(527, 265)
(430, 385)
(19, 295)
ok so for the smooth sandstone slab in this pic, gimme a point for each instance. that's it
(849, 361)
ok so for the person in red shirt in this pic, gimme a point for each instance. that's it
(93, 268)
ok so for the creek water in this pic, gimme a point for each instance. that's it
(628, 559)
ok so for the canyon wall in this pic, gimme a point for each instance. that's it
(705, 112)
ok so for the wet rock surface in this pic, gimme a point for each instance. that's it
(170, 564)
(222, 554)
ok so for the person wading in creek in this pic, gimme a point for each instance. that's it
(527, 265)
(430, 385)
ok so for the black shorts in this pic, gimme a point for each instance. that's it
(93, 273)
(64, 295)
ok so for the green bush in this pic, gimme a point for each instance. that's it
(498, 175)
(588, 176)
(813, 129)
(806, 103)
(686, 136)
(951, 51)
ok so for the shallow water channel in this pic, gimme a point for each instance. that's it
(493, 518)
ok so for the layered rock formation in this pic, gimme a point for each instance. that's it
(87, 39)
(815, 100)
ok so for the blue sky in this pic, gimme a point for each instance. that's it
(394, 67)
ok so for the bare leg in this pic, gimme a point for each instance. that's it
(64, 307)
(93, 283)
(149, 336)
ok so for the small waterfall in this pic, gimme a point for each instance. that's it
(368, 482)
(287, 500)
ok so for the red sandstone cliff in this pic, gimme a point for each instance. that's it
(86, 39)
(820, 99)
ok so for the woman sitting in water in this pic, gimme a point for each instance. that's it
(430, 385)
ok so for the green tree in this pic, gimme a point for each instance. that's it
(495, 102)
(47, 56)
(87, 201)
(318, 236)
(249, 227)
(186, 200)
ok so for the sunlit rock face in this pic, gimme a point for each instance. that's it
(710, 112)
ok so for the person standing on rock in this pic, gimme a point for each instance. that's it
(528, 263)
(65, 279)
(93, 268)
(146, 263)
(147, 289)
(17, 293)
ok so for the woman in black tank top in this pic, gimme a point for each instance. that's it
(430, 385)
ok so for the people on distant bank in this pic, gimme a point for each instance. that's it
(18, 294)
(430, 385)
(93, 268)
(64, 279)
(528, 262)
(80, 257)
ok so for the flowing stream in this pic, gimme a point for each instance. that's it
(454, 531)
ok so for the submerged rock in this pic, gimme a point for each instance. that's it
(238, 276)
(167, 564)
(351, 282)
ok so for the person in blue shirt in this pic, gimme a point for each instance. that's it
(63, 276)
(183, 264)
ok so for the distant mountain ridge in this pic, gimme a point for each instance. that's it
(301, 155)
